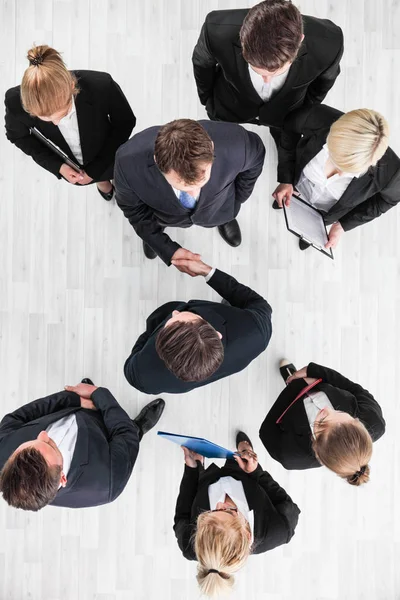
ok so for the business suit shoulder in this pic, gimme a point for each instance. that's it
(387, 170)
(227, 134)
(13, 104)
(138, 148)
(224, 25)
(322, 31)
(95, 80)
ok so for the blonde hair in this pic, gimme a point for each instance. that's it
(345, 448)
(47, 85)
(357, 140)
(222, 547)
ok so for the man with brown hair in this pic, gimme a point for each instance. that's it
(189, 344)
(186, 173)
(75, 448)
(256, 65)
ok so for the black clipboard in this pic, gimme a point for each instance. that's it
(315, 245)
(54, 148)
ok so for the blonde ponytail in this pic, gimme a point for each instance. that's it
(47, 86)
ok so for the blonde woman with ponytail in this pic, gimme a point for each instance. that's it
(84, 113)
(323, 419)
(223, 515)
(340, 164)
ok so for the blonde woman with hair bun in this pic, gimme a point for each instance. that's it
(223, 515)
(323, 419)
(340, 164)
(84, 113)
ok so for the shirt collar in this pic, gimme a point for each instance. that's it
(70, 113)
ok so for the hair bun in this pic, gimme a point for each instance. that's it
(36, 61)
(359, 477)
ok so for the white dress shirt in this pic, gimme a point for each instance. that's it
(318, 190)
(313, 403)
(267, 90)
(228, 486)
(64, 433)
(69, 129)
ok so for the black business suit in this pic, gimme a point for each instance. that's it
(149, 202)
(275, 514)
(106, 448)
(245, 327)
(223, 80)
(105, 121)
(367, 197)
(290, 441)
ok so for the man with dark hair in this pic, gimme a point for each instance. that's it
(75, 448)
(186, 173)
(256, 65)
(189, 344)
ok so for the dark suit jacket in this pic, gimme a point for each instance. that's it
(245, 327)
(275, 514)
(367, 197)
(289, 442)
(223, 80)
(105, 122)
(150, 203)
(106, 449)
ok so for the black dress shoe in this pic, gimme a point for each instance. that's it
(242, 437)
(87, 380)
(276, 206)
(230, 232)
(287, 370)
(149, 416)
(148, 251)
(303, 245)
(107, 196)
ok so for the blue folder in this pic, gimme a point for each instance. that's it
(200, 445)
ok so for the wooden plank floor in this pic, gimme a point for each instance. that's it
(75, 290)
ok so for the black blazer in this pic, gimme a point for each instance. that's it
(290, 441)
(223, 80)
(106, 448)
(245, 327)
(275, 513)
(105, 122)
(367, 197)
(149, 202)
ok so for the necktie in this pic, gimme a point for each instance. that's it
(187, 200)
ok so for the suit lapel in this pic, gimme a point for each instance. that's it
(84, 112)
(52, 132)
(80, 457)
(243, 83)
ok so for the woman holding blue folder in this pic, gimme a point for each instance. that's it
(225, 514)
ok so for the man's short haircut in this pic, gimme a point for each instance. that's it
(271, 34)
(185, 147)
(192, 351)
(27, 481)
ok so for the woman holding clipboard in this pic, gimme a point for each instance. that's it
(340, 164)
(323, 418)
(225, 514)
(83, 113)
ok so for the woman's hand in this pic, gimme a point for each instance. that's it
(247, 460)
(335, 233)
(283, 194)
(301, 374)
(191, 457)
(70, 174)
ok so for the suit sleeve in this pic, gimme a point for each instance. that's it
(39, 408)
(241, 296)
(284, 522)
(204, 66)
(183, 527)
(321, 85)
(254, 160)
(375, 206)
(18, 134)
(369, 410)
(122, 122)
(142, 218)
(123, 440)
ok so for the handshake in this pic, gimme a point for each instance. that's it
(190, 263)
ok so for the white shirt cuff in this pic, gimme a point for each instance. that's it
(211, 273)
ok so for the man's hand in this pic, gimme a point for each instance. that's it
(335, 233)
(247, 461)
(85, 179)
(182, 255)
(85, 403)
(191, 457)
(283, 194)
(300, 374)
(71, 175)
(84, 390)
(192, 267)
